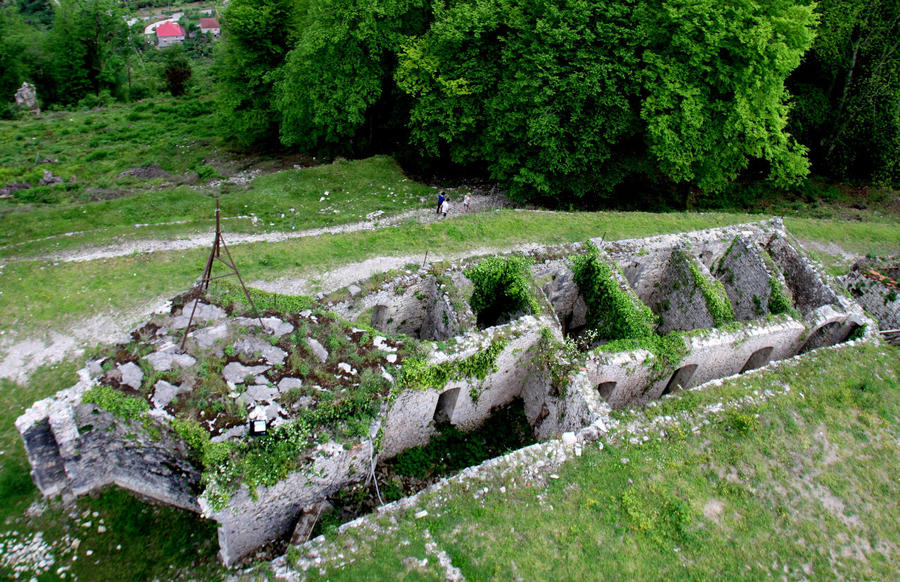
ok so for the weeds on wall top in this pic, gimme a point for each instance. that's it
(228, 294)
(418, 375)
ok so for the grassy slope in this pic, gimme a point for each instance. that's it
(284, 201)
(801, 486)
(37, 292)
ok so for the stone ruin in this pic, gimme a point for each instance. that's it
(26, 98)
(874, 283)
(300, 359)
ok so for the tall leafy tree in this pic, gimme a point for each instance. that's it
(544, 93)
(36, 12)
(256, 36)
(714, 86)
(13, 66)
(176, 70)
(567, 98)
(337, 89)
(87, 49)
(848, 91)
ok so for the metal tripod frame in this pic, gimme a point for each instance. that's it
(216, 255)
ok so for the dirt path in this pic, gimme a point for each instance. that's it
(21, 355)
(480, 203)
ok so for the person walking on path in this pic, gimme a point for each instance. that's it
(466, 201)
(445, 207)
(441, 199)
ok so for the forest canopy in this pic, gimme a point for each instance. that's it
(566, 102)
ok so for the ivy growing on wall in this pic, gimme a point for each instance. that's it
(666, 351)
(611, 310)
(418, 375)
(502, 288)
(780, 300)
(714, 294)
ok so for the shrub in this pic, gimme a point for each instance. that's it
(502, 288)
(115, 402)
(612, 311)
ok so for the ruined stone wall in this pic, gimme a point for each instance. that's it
(76, 449)
(271, 513)
(468, 402)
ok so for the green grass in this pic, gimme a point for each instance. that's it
(96, 146)
(284, 201)
(806, 489)
(141, 541)
(40, 292)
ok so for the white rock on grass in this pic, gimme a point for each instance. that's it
(132, 375)
(234, 432)
(236, 372)
(203, 313)
(258, 393)
(208, 336)
(253, 345)
(271, 325)
(164, 393)
(165, 361)
(317, 349)
(287, 384)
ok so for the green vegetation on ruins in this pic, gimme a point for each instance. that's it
(611, 310)
(745, 493)
(503, 288)
(502, 93)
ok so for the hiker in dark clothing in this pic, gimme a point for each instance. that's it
(441, 199)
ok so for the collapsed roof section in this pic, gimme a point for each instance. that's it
(375, 369)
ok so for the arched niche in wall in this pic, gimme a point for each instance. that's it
(821, 337)
(680, 379)
(758, 359)
(606, 389)
(443, 412)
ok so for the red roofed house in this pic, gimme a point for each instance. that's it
(210, 25)
(169, 33)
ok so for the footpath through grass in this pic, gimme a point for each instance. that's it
(801, 486)
(36, 293)
(327, 195)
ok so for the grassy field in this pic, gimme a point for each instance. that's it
(804, 490)
(800, 486)
(34, 293)
(289, 200)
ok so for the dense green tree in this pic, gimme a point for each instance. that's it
(87, 50)
(713, 86)
(176, 70)
(565, 99)
(36, 12)
(848, 91)
(256, 36)
(338, 88)
(544, 93)
(13, 66)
